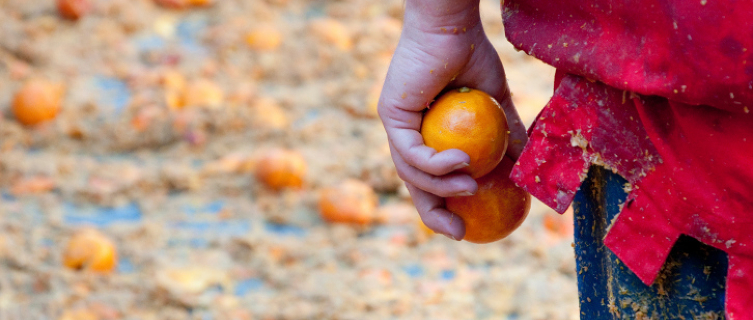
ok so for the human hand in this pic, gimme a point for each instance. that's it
(442, 45)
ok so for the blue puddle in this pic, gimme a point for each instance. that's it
(100, 216)
(125, 265)
(315, 11)
(188, 32)
(112, 93)
(7, 197)
(212, 207)
(414, 271)
(417, 271)
(198, 234)
(246, 286)
(224, 228)
(148, 42)
(48, 243)
(307, 118)
(447, 274)
(284, 229)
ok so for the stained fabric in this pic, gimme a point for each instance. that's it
(659, 92)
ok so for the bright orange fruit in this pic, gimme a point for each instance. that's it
(280, 168)
(90, 250)
(73, 9)
(469, 120)
(37, 101)
(496, 210)
(264, 38)
(350, 201)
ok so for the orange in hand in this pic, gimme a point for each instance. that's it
(496, 210)
(90, 250)
(469, 120)
(37, 101)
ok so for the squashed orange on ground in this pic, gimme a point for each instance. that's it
(90, 250)
(174, 85)
(73, 9)
(332, 32)
(200, 3)
(469, 120)
(203, 93)
(182, 4)
(37, 101)
(172, 4)
(79, 314)
(281, 168)
(496, 210)
(268, 114)
(264, 38)
(350, 201)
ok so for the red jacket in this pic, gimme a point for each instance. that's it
(660, 91)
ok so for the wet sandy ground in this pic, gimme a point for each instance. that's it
(197, 236)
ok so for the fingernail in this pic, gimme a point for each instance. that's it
(465, 194)
(460, 166)
(450, 236)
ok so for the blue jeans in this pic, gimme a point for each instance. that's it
(691, 284)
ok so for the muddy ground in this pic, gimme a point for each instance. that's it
(197, 236)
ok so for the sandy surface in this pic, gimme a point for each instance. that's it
(197, 236)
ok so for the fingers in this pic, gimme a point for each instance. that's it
(435, 216)
(518, 134)
(409, 144)
(494, 82)
(403, 100)
(453, 184)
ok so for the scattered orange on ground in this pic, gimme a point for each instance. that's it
(182, 4)
(559, 226)
(73, 9)
(204, 93)
(172, 4)
(396, 213)
(144, 117)
(332, 32)
(496, 210)
(189, 280)
(469, 120)
(37, 101)
(268, 114)
(200, 3)
(91, 250)
(79, 314)
(264, 38)
(33, 185)
(280, 168)
(231, 163)
(173, 80)
(174, 85)
(351, 201)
